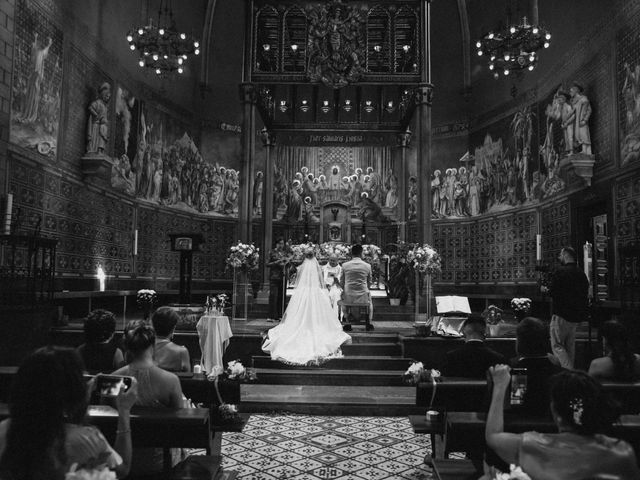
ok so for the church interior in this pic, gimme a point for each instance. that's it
(169, 169)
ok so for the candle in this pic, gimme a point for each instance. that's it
(7, 215)
(538, 247)
(135, 242)
(101, 277)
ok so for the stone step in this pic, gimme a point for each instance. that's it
(343, 400)
(372, 349)
(346, 363)
(330, 377)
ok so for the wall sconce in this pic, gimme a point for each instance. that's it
(347, 105)
(266, 47)
(377, 48)
(368, 106)
(390, 108)
(325, 106)
(304, 106)
(294, 48)
(283, 107)
(406, 48)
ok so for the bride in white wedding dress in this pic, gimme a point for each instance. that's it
(310, 331)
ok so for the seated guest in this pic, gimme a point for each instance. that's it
(46, 433)
(579, 450)
(156, 388)
(532, 345)
(620, 363)
(474, 358)
(99, 352)
(167, 354)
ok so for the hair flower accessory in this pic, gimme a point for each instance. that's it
(577, 407)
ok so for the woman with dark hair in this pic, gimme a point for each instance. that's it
(168, 355)
(620, 363)
(156, 388)
(99, 353)
(581, 412)
(45, 433)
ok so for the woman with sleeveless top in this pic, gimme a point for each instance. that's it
(99, 353)
(156, 388)
(620, 362)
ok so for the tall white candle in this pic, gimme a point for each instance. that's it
(135, 242)
(101, 277)
(7, 214)
(538, 247)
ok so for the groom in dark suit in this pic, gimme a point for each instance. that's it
(355, 279)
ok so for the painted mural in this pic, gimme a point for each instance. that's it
(361, 178)
(628, 73)
(158, 162)
(37, 79)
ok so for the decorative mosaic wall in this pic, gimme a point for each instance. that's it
(92, 228)
(556, 231)
(628, 77)
(628, 210)
(156, 260)
(499, 249)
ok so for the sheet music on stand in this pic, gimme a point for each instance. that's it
(452, 312)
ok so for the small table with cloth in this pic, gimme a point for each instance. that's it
(214, 333)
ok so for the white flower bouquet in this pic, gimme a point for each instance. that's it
(100, 473)
(301, 250)
(340, 250)
(371, 254)
(515, 473)
(417, 373)
(521, 306)
(424, 259)
(236, 371)
(216, 304)
(244, 255)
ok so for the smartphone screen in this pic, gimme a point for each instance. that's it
(518, 386)
(112, 385)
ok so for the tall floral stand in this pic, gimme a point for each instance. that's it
(428, 294)
(240, 300)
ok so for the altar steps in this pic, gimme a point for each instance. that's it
(329, 400)
(372, 349)
(346, 363)
(388, 378)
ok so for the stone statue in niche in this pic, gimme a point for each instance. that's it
(579, 118)
(435, 194)
(258, 187)
(561, 110)
(98, 124)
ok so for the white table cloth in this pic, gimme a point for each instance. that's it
(214, 332)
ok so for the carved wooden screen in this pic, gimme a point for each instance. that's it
(378, 40)
(294, 46)
(267, 40)
(407, 56)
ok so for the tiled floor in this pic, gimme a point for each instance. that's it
(302, 447)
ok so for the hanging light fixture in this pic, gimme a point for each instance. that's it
(515, 47)
(162, 47)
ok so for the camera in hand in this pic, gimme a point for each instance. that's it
(112, 385)
(518, 387)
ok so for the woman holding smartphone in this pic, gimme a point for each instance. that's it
(45, 433)
(579, 450)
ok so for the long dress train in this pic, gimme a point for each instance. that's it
(310, 330)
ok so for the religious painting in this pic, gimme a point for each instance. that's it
(307, 178)
(501, 173)
(128, 111)
(628, 87)
(167, 167)
(37, 80)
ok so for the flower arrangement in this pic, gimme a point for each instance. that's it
(146, 298)
(521, 307)
(244, 255)
(300, 251)
(227, 414)
(340, 250)
(515, 473)
(492, 315)
(216, 304)
(100, 473)
(371, 254)
(416, 373)
(425, 259)
(236, 371)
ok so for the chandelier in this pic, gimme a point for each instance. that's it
(162, 47)
(515, 47)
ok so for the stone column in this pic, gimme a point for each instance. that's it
(268, 140)
(245, 195)
(424, 96)
(404, 139)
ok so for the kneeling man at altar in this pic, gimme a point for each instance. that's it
(355, 279)
(332, 272)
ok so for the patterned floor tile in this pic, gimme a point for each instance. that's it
(305, 447)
